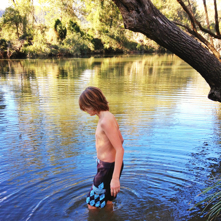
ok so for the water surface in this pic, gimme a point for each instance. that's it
(48, 158)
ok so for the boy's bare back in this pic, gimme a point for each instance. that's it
(105, 150)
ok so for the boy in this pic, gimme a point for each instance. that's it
(106, 183)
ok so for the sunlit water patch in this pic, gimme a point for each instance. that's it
(48, 158)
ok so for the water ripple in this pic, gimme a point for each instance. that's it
(171, 132)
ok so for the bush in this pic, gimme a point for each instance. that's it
(60, 30)
(98, 45)
(3, 44)
(3, 48)
(212, 202)
(77, 45)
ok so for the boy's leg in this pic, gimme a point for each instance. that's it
(92, 207)
(109, 202)
(102, 178)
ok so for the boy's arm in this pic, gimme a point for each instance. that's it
(115, 182)
(112, 132)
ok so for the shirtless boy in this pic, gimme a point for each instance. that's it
(109, 141)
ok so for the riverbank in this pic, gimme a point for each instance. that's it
(20, 49)
(67, 54)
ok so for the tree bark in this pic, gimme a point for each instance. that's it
(142, 16)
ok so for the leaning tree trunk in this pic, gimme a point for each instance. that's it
(142, 16)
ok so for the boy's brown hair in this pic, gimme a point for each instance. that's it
(92, 97)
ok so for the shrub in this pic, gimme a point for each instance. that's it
(211, 202)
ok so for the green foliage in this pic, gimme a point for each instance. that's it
(211, 202)
(77, 45)
(60, 30)
(173, 11)
(73, 27)
(12, 21)
(3, 45)
(106, 23)
(56, 9)
(98, 45)
(79, 29)
(72, 45)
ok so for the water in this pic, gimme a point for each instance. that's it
(47, 155)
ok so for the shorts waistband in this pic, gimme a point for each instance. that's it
(102, 164)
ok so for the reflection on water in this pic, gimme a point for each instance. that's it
(47, 154)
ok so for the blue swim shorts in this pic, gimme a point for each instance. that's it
(100, 191)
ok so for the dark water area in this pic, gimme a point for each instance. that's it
(48, 157)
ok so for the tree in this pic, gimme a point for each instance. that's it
(25, 8)
(60, 30)
(74, 27)
(142, 16)
(57, 9)
(12, 20)
(106, 23)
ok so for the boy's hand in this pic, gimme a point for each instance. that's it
(115, 186)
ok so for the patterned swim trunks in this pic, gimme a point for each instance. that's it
(100, 191)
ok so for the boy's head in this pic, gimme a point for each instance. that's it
(92, 97)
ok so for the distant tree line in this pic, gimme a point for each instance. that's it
(76, 28)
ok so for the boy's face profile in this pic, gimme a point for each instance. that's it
(90, 111)
(92, 101)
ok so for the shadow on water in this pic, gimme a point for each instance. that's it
(47, 155)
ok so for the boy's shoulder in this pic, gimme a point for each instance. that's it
(108, 119)
(108, 116)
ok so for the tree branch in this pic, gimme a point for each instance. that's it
(208, 31)
(201, 38)
(207, 21)
(14, 3)
(189, 30)
(216, 18)
(189, 13)
(207, 17)
(194, 21)
(195, 33)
